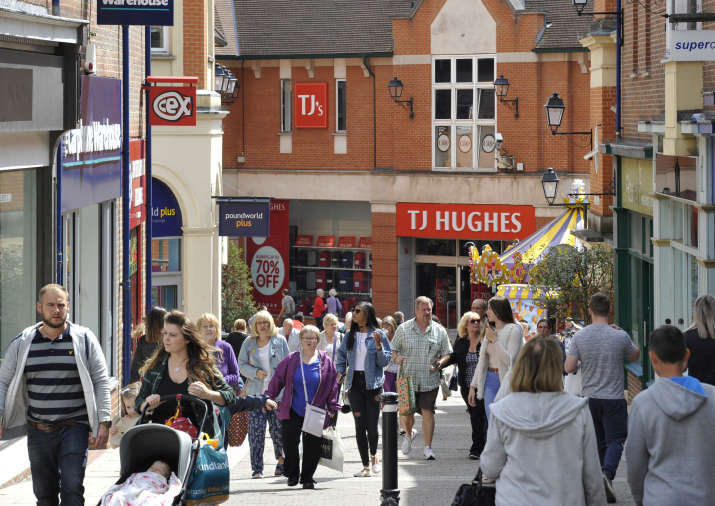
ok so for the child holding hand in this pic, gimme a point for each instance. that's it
(122, 424)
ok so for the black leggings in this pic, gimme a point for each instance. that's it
(292, 432)
(365, 403)
(477, 416)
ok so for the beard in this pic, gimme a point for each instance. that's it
(53, 326)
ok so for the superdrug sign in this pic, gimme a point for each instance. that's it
(172, 106)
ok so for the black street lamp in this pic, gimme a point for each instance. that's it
(550, 183)
(395, 87)
(220, 77)
(580, 5)
(501, 86)
(555, 114)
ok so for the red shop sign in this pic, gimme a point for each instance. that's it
(465, 221)
(136, 164)
(346, 242)
(172, 106)
(304, 240)
(365, 243)
(326, 241)
(311, 105)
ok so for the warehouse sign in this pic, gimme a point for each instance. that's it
(244, 219)
(135, 12)
(691, 45)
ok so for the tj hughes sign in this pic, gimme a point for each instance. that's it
(465, 221)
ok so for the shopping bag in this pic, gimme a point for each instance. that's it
(238, 429)
(475, 493)
(406, 402)
(209, 481)
(331, 450)
(572, 382)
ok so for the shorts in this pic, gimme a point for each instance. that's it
(426, 400)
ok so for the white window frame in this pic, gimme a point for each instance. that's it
(337, 106)
(286, 108)
(164, 50)
(453, 123)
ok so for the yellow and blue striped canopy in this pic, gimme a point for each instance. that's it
(518, 291)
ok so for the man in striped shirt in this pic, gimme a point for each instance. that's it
(54, 388)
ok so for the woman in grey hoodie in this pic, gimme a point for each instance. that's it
(541, 444)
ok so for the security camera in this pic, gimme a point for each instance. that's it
(499, 141)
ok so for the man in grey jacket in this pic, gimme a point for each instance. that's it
(54, 389)
(670, 439)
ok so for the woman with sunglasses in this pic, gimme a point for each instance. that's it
(466, 355)
(364, 353)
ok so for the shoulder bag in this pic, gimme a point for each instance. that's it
(476, 493)
(314, 416)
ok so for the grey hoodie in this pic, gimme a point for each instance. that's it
(541, 448)
(671, 445)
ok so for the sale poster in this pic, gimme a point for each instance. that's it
(442, 296)
(267, 258)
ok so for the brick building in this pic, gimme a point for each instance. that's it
(73, 236)
(414, 188)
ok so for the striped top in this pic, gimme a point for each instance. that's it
(54, 387)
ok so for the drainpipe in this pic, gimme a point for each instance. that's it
(147, 173)
(619, 34)
(126, 188)
(374, 112)
(58, 189)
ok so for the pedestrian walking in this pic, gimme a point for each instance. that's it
(185, 365)
(333, 303)
(389, 325)
(348, 322)
(287, 306)
(298, 321)
(422, 348)
(700, 339)
(305, 377)
(362, 357)
(319, 309)
(250, 320)
(480, 306)
(236, 339)
(330, 340)
(570, 328)
(259, 358)
(54, 388)
(500, 347)
(399, 318)
(149, 342)
(670, 440)
(601, 349)
(225, 359)
(543, 328)
(290, 334)
(537, 423)
(466, 355)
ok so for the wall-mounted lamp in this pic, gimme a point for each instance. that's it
(502, 88)
(226, 84)
(550, 183)
(555, 114)
(395, 88)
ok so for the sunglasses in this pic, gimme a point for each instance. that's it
(474, 320)
(357, 311)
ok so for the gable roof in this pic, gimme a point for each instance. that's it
(219, 37)
(300, 28)
(563, 27)
(223, 18)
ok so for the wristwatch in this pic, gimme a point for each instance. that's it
(107, 424)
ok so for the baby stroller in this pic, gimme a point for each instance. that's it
(143, 444)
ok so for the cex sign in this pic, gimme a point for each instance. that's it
(311, 105)
(465, 221)
(172, 106)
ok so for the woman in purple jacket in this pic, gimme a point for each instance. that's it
(322, 387)
(225, 360)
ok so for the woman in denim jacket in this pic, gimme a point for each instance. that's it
(257, 361)
(366, 351)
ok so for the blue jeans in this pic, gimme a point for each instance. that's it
(491, 387)
(257, 436)
(58, 461)
(610, 420)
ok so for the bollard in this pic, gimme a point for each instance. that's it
(389, 494)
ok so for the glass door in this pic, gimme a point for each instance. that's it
(439, 284)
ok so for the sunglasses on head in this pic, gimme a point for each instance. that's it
(357, 311)
(474, 320)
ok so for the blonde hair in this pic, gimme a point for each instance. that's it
(389, 320)
(704, 317)
(239, 325)
(309, 329)
(139, 330)
(422, 300)
(264, 316)
(539, 367)
(211, 319)
(462, 327)
(329, 318)
(130, 392)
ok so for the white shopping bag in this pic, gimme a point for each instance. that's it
(572, 382)
(331, 450)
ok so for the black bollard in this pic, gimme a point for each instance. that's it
(389, 494)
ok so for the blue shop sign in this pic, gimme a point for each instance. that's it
(135, 12)
(244, 219)
(91, 154)
(165, 211)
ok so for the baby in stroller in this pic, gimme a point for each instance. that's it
(157, 486)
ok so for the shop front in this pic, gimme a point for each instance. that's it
(166, 266)
(137, 218)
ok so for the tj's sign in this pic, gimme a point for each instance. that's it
(311, 105)
(465, 221)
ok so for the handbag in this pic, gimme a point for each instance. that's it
(476, 493)
(314, 419)
(454, 382)
(209, 480)
(406, 402)
(238, 429)
(179, 422)
(331, 450)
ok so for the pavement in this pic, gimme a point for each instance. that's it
(421, 482)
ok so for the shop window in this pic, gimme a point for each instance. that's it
(166, 255)
(18, 253)
(436, 247)
(464, 114)
(160, 39)
(341, 106)
(286, 104)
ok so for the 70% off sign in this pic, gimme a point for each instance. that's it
(267, 270)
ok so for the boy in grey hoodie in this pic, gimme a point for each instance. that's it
(671, 445)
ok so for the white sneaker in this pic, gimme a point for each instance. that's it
(407, 443)
(362, 474)
(429, 454)
(376, 467)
